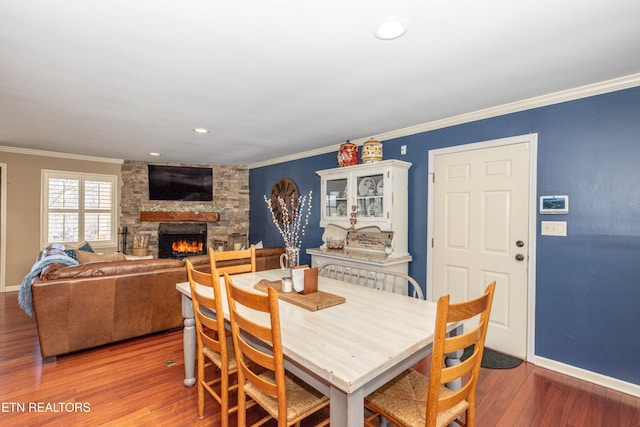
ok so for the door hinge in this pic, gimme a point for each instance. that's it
(432, 243)
(433, 177)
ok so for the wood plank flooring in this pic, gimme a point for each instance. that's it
(129, 384)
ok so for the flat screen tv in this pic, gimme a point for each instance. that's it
(180, 183)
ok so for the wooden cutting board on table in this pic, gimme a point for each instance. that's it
(312, 302)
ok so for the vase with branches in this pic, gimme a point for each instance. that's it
(291, 218)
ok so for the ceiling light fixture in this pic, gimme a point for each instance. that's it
(201, 130)
(153, 153)
(391, 29)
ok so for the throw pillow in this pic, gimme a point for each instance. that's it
(86, 257)
(71, 249)
(85, 246)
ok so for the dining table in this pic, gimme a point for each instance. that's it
(345, 351)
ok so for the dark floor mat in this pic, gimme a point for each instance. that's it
(494, 359)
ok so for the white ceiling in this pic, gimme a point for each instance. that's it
(122, 78)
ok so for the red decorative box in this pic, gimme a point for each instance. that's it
(348, 154)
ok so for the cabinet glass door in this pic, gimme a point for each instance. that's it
(336, 193)
(370, 196)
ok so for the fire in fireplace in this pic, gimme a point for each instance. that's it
(180, 240)
(185, 246)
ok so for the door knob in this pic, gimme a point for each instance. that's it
(519, 257)
(519, 243)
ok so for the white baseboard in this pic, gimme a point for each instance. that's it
(583, 374)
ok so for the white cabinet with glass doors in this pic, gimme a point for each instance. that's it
(373, 194)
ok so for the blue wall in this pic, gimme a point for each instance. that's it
(588, 283)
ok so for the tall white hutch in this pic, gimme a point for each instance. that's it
(361, 206)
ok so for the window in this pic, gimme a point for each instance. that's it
(79, 207)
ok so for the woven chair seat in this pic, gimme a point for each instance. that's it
(302, 399)
(405, 398)
(214, 356)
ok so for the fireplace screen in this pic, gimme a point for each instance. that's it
(180, 240)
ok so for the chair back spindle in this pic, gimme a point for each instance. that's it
(370, 277)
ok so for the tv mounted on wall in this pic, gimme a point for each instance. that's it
(180, 183)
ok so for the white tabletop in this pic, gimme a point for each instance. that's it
(349, 345)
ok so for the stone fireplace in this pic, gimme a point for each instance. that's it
(231, 201)
(181, 239)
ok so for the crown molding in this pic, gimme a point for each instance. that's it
(586, 91)
(32, 152)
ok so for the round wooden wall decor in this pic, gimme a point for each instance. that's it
(287, 190)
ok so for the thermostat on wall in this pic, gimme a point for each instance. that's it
(554, 204)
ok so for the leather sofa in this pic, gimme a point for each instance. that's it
(88, 305)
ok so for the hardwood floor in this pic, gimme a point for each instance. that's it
(129, 384)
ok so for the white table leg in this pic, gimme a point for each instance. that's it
(346, 410)
(452, 359)
(188, 342)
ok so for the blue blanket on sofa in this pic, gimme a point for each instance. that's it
(25, 298)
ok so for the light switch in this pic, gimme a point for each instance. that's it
(403, 149)
(554, 228)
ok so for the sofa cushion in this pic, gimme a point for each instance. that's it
(200, 262)
(111, 268)
(84, 257)
(266, 259)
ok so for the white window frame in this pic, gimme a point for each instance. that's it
(81, 177)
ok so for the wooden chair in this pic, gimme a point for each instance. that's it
(412, 399)
(244, 261)
(392, 281)
(212, 342)
(283, 396)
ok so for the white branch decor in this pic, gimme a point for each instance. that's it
(294, 218)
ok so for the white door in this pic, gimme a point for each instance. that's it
(480, 234)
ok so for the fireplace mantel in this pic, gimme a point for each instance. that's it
(179, 216)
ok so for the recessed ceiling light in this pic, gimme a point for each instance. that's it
(153, 153)
(200, 130)
(391, 29)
